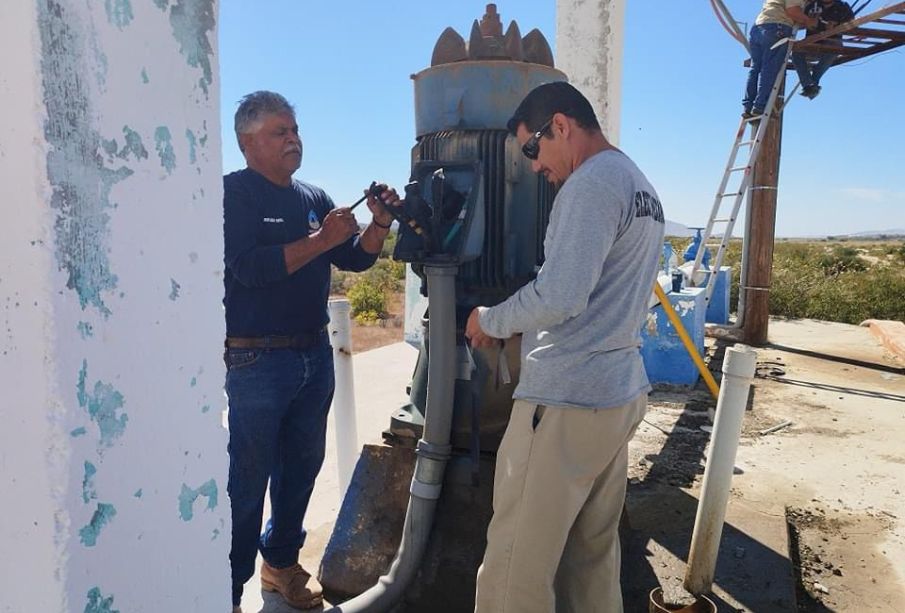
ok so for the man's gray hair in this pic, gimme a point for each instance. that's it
(254, 106)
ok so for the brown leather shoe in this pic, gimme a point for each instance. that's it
(294, 584)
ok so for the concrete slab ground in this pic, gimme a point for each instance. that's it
(837, 472)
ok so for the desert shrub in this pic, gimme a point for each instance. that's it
(835, 285)
(367, 318)
(369, 294)
(367, 299)
(840, 260)
(387, 274)
(897, 252)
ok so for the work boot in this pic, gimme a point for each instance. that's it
(237, 609)
(297, 587)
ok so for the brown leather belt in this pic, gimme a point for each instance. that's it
(306, 340)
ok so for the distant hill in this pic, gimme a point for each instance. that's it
(875, 233)
(894, 233)
(674, 228)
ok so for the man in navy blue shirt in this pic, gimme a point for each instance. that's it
(281, 236)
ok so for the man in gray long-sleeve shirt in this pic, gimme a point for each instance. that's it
(561, 468)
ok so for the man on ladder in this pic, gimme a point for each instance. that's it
(768, 40)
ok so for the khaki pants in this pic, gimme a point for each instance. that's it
(553, 541)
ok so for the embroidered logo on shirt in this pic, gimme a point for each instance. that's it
(273, 220)
(313, 222)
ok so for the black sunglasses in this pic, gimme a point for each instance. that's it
(531, 148)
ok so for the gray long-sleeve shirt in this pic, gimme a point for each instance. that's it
(581, 317)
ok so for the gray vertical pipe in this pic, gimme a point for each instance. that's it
(433, 449)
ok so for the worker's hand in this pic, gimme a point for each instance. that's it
(338, 226)
(388, 197)
(474, 333)
(813, 23)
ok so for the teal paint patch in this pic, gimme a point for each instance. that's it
(144, 76)
(80, 431)
(191, 21)
(88, 491)
(100, 64)
(80, 386)
(119, 12)
(98, 604)
(162, 4)
(188, 496)
(102, 516)
(85, 329)
(174, 289)
(193, 382)
(203, 140)
(138, 493)
(109, 146)
(102, 404)
(133, 145)
(206, 408)
(79, 180)
(164, 145)
(215, 534)
(193, 143)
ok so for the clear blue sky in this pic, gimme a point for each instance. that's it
(345, 65)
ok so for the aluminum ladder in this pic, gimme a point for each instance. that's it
(720, 217)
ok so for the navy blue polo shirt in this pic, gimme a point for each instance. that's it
(259, 217)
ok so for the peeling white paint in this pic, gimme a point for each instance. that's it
(589, 41)
(103, 200)
(682, 307)
(651, 323)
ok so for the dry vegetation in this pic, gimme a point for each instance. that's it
(833, 280)
(377, 300)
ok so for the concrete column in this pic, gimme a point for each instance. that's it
(589, 41)
(113, 457)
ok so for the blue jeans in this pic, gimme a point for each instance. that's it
(809, 75)
(765, 63)
(278, 405)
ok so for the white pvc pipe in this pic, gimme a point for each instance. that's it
(344, 418)
(738, 372)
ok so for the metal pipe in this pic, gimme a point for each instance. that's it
(343, 410)
(433, 449)
(738, 372)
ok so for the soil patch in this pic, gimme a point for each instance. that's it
(839, 560)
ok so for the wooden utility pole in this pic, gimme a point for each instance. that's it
(762, 231)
